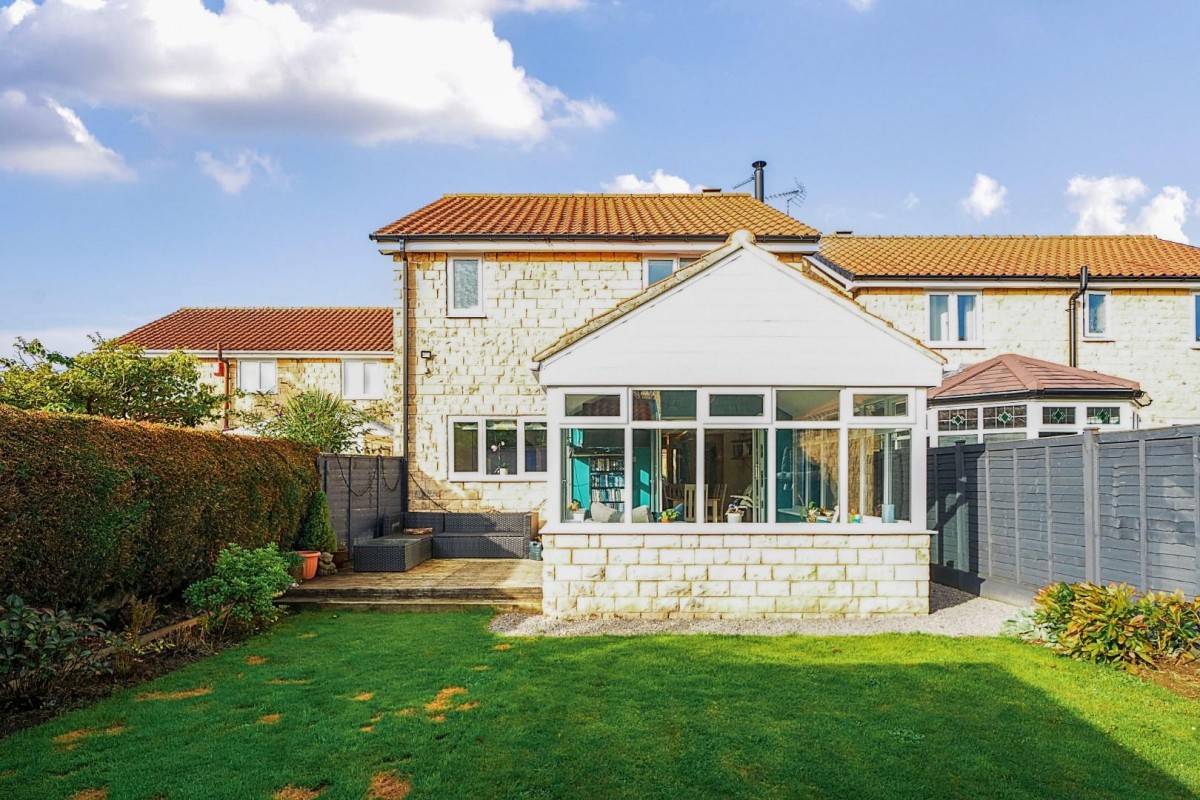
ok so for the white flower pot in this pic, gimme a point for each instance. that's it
(577, 516)
(502, 470)
(733, 518)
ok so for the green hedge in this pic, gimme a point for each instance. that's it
(93, 508)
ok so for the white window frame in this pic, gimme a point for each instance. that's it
(1107, 335)
(1195, 317)
(481, 456)
(241, 374)
(622, 399)
(952, 301)
(675, 265)
(915, 422)
(478, 310)
(364, 361)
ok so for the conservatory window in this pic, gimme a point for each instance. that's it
(664, 474)
(664, 404)
(807, 405)
(880, 474)
(881, 405)
(735, 473)
(1003, 417)
(1103, 415)
(806, 481)
(736, 405)
(593, 476)
(1058, 415)
(593, 405)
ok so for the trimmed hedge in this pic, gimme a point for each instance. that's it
(92, 509)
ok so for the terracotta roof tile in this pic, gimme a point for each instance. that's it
(1010, 256)
(610, 215)
(269, 329)
(1016, 374)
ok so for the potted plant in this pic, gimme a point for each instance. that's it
(341, 555)
(813, 511)
(295, 565)
(577, 512)
(309, 559)
(733, 513)
(668, 515)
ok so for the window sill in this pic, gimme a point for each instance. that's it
(466, 315)
(1098, 339)
(479, 477)
(956, 345)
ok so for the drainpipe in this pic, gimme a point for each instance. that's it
(404, 354)
(1073, 318)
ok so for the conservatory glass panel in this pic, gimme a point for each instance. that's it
(593, 473)
(880, 474)
(806, 475)
(664, 474)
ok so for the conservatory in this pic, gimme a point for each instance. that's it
(729, 442)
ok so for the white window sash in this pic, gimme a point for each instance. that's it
(951, 320)
(1105, 331)
(481, 472)
(476, 310)
(362, 380)
(257, 376)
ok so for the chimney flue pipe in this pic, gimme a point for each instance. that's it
(760, 192)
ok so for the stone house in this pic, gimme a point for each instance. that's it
(262, 356)
(689, 404)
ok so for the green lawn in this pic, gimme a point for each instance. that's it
(688, 716)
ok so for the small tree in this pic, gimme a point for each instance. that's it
(316, 532)
(317, 418)
(112, 380)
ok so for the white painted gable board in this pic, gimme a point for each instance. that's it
(747, 320)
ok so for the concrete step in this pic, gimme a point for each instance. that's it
(413, 605)
(376, 593)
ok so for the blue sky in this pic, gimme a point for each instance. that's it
(239, 153)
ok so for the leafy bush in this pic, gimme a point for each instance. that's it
(93, 508)
(1111, 624)
(44, 653)
(241, 589)
(317, 418)
(316, 532)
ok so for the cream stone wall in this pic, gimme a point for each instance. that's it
(296, 375)
(480, 366)
(1151, 338)
(655, 573)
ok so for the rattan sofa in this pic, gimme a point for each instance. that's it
(473, 534)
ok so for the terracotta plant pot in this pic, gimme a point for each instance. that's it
(310, 563)
(340, 557)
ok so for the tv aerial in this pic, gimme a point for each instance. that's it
(797, 196)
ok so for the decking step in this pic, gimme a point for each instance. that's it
(490, 593)
(413, 605)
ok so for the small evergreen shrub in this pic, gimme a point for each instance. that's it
(316, 532)
(45, 653)
(238, 595)
(1113, 625)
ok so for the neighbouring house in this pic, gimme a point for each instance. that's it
(973, 298)
(262, 356)
(1013, 397)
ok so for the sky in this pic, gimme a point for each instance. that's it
(156, 154)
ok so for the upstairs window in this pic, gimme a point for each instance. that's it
(257, 377)
(1095, 316)
(465, 287)
(954, 318)
(362, 380)
(659, 268)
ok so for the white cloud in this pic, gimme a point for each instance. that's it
(986, 198)
(1103, 204)
(44, 137)
(358, 69)
(861, 5)
(235, 173)
(910, 201)
(660, 183)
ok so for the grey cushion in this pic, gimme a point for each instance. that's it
(603, 513)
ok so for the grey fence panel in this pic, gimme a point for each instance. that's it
(1102, 507)
(363, 491)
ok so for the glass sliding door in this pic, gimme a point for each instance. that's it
(664, 474)
(735, 472)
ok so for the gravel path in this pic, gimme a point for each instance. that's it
(954, 613)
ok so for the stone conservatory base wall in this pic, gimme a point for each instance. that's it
(726, 575)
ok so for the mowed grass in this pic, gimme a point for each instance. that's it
(438, 704)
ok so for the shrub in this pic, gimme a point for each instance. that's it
(1111, 624)
(93, 508)
(317, 418)
(44, 653)
(316, 532)
(241, 589)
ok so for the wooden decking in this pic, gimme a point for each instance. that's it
(436, 585)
